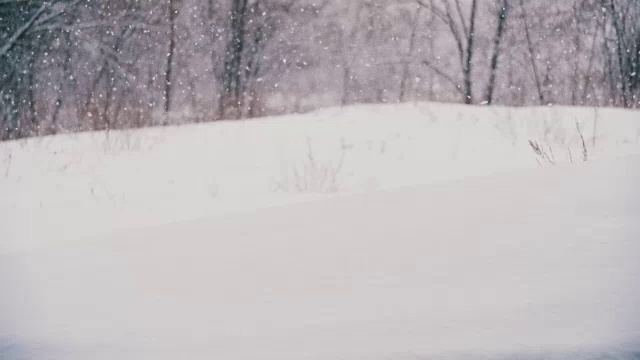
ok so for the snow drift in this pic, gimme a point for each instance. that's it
(64, 188)
(507, 262)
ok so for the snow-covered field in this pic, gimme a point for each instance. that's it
(68, 187)
(371, 232)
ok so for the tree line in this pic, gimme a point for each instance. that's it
(76, 65)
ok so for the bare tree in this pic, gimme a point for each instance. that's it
(462, 27)
(25, 32)
(497, 40)
(625, 20)
(172, 14)
(232, 75)
(411, 50)
(532, 53)
(348, 27)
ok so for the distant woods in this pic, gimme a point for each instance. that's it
(76, 65)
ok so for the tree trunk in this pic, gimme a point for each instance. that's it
(168, 86)
(468, 57)
(532, 58)
(497, 40)
(346, 83)
(66, 73)
(620, 48)
(412, 45)
(232, 77)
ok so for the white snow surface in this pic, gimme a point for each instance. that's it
(65, 188)
(437, 233)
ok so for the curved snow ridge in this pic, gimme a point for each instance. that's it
(71, 187)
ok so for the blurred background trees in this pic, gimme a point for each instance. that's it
(74, 65)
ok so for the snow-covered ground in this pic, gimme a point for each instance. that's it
(373, 232)
(65, 188)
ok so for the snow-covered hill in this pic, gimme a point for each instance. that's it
(68, 187)
(219, 240)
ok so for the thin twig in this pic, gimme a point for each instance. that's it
(585, 153)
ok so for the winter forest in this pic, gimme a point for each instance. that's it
(77, 65)
(320, 179)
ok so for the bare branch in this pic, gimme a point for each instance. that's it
(22, 30)
(444, 75)
(461, 16)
